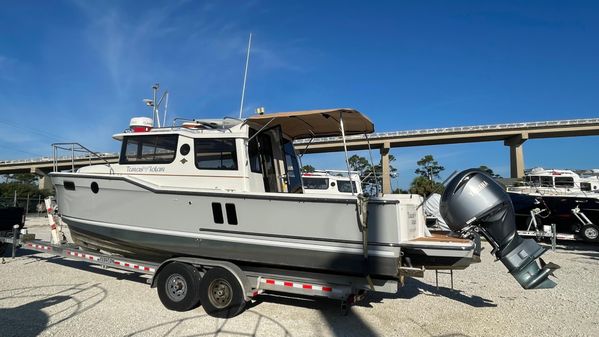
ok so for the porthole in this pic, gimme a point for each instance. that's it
(332, 184)
(184, 150)
(94, 186)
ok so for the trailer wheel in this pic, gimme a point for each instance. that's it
(178, 286)
(221, 294)
(590, 232)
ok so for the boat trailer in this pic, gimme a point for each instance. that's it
(244, 284)
(253, 283)
(587, 230)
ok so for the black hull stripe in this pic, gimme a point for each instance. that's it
(412, 244)
(222, 231)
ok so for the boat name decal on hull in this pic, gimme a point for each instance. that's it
(145, 169)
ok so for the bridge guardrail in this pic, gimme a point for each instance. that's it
(474, 128)
(374, 136)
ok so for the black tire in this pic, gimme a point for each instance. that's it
(179, 286)
(590, 232)
(221, 294)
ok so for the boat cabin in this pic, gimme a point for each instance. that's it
(561, 179)
(332, 182)
(252, 155)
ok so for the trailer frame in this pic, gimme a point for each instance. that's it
(254, 281)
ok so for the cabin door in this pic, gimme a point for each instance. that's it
(267, 162)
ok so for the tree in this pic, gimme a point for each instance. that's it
(425, 184)
(368, 173)
(308, 169)
(489, 171)
(358, 163)
(23, 185)
(429, 167)
(22, 178)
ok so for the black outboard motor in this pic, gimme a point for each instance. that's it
(473, 201)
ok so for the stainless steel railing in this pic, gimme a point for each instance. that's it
(74, 148)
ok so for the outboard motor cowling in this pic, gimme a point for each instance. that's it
(473, 201)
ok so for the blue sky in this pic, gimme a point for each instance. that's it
(78, 70)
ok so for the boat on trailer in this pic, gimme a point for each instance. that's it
(218, 211)
(559, 197)
(232, 190)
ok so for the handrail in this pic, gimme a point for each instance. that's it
(80, 148)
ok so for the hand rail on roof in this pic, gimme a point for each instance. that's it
(75, 147)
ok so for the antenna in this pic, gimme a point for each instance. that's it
(165, 108)
(154, 107)
(245, 75)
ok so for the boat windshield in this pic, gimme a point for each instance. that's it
(294, 176)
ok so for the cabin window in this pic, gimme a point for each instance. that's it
(215, 154)
(316, 183)
(564, 182)
(547, 181)
(344, 186)
(294, 176)
(160, 149)
(231, 214)
(534, 180)
(583, 186)
(217, 213)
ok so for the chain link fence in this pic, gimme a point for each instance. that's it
(34, 206)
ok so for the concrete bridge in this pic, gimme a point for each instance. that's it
(511, 134)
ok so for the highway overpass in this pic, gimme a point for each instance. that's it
(511, 134)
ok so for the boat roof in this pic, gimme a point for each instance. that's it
(315, 123)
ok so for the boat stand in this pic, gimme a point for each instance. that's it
(450, 273)
(584, 220)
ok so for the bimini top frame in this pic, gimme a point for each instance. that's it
(315, 123)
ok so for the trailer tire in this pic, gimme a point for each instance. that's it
(590, 232)
(178, 286)
(221, 294)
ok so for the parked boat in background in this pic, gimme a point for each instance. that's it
(332, 182)
(559, 181)
(560, 197)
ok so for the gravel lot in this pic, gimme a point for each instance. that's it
(41, 295)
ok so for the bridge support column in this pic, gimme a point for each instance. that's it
(386, 176)
(516, 155)
(43, 182)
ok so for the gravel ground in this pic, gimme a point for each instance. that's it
(41, 295)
